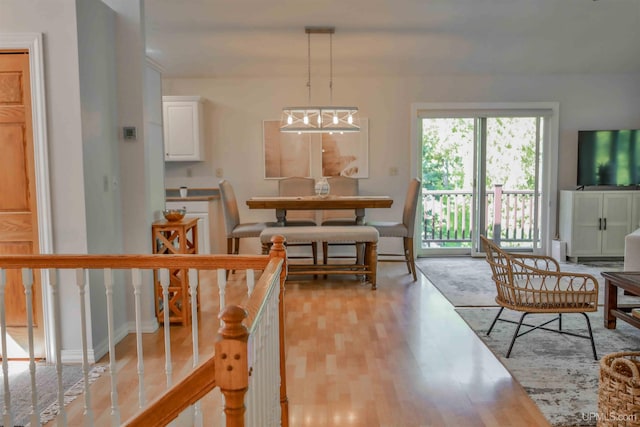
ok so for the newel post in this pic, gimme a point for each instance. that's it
(232, 366)
(278, 250)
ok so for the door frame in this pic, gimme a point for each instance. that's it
(549, 176)
(32, 42)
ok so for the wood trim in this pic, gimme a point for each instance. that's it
(187, 392)
(304, 203)
(153, 261)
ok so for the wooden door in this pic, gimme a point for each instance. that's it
(18, 203)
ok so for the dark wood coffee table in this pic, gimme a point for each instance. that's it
(627, 280)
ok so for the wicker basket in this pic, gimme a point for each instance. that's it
(619, 391)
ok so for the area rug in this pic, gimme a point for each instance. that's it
(47, 388)
(466, 281)
(557, 371)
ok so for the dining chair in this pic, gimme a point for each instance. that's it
(236, 230)
(339, 186)
(403, 229)
(300, 186)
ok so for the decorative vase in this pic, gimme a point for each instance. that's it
(322, 187)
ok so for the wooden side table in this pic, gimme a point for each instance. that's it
(174, 237)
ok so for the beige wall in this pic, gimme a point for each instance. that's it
(235, 108)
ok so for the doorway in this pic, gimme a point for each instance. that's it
(24, 192)
(484, 172)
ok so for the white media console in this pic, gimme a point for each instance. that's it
(595, 223)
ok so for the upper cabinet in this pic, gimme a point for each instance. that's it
(183, 128)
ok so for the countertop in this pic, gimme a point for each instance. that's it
(193, 195)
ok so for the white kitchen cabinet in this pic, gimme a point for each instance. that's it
(183, 128)
(202, 211)
(595, 223)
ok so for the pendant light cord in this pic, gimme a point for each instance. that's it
(330, 69)
(309, 65)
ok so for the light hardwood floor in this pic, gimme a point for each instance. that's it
(398, 357)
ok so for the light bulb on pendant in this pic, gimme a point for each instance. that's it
(289, 119)
(350, 119)
(335, 119)
(305, 120)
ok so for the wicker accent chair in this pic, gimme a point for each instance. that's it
(339, 186)
(534, 284)
(300, 186)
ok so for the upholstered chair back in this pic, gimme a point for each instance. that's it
(229, 206)
(410, 205)
(341, 186)
(298, 186)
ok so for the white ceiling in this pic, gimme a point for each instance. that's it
(231, 38)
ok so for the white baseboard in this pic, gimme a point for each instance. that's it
(102, 348)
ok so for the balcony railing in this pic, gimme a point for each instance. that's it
(448, 218)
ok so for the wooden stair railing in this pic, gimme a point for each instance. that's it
(230, 374)
(229, 367)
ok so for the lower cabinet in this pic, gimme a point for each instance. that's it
(595, 223)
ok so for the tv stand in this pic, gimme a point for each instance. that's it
(595, 223)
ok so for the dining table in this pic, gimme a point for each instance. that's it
(282, 204)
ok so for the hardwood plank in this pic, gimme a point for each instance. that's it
(396, 356)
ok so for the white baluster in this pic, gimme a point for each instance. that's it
(249, 397)
(275, 359)
(251, 281)
(27, 283)
(7, 418)
(165, 280)
(136, 280)
(193, 292)
(61, 418)
(115, 409)
(222, 286)
(81, 282)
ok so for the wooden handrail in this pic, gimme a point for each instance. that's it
(155, 261)
(228, 367)
(187, 392)
(225, 369)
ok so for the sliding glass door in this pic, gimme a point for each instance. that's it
(482, 174)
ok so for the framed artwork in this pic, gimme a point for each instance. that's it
(285, 154)
(346, 154)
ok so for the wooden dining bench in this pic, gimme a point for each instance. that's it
(362, 235)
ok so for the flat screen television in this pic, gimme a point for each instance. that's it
(609, 157)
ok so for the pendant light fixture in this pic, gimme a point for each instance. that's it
(320, 119)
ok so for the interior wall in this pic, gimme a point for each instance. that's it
(141, 189)
(235, 109)
(56, 21)
(98, 85)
